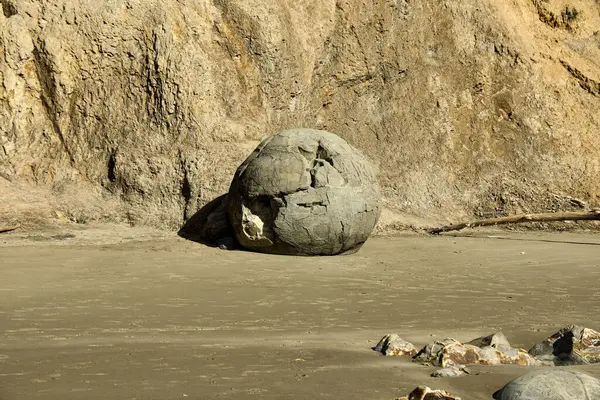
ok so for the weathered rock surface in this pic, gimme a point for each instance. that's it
(394, 345)
(432, 353)
(555, 384)
(570, 345)
(304, 192)
(426, 393)
(450, 352)
(140, 111)
(496, 340)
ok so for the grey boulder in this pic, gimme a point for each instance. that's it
(304, 192)
(554, 384)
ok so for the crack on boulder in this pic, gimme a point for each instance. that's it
(312, 204)
(308, 155)
(323, 155)
(322, 158)
(313, 173)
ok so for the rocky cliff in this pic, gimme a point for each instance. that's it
(141, 110)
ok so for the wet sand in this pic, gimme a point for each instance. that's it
(171, 319)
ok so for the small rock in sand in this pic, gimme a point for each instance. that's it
(451, 372)
(394, 345)
(425, 393)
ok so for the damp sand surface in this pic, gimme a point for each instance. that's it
(164, 318)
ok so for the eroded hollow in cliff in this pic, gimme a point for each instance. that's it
(111, 165)
(8, 9)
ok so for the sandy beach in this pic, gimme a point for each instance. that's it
(165, 318)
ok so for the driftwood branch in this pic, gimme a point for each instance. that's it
(8, 228)
(515, 219)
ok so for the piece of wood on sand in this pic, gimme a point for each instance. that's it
(516, 219)
(9, 228)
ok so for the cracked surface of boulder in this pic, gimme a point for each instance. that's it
(571, 345)
(304, 192)
(551, 385)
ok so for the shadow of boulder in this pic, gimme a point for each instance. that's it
(210, 226)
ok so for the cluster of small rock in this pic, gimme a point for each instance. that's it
(572, 345)
(489, 350)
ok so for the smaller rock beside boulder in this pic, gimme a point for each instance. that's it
(496, 350)
(394, 345)
(451, 372)
(571, 345)
(551, 385)
(425, 393)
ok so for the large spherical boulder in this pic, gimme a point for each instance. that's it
(304, 192)
(555, 384)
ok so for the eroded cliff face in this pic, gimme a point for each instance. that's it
(141, 110)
